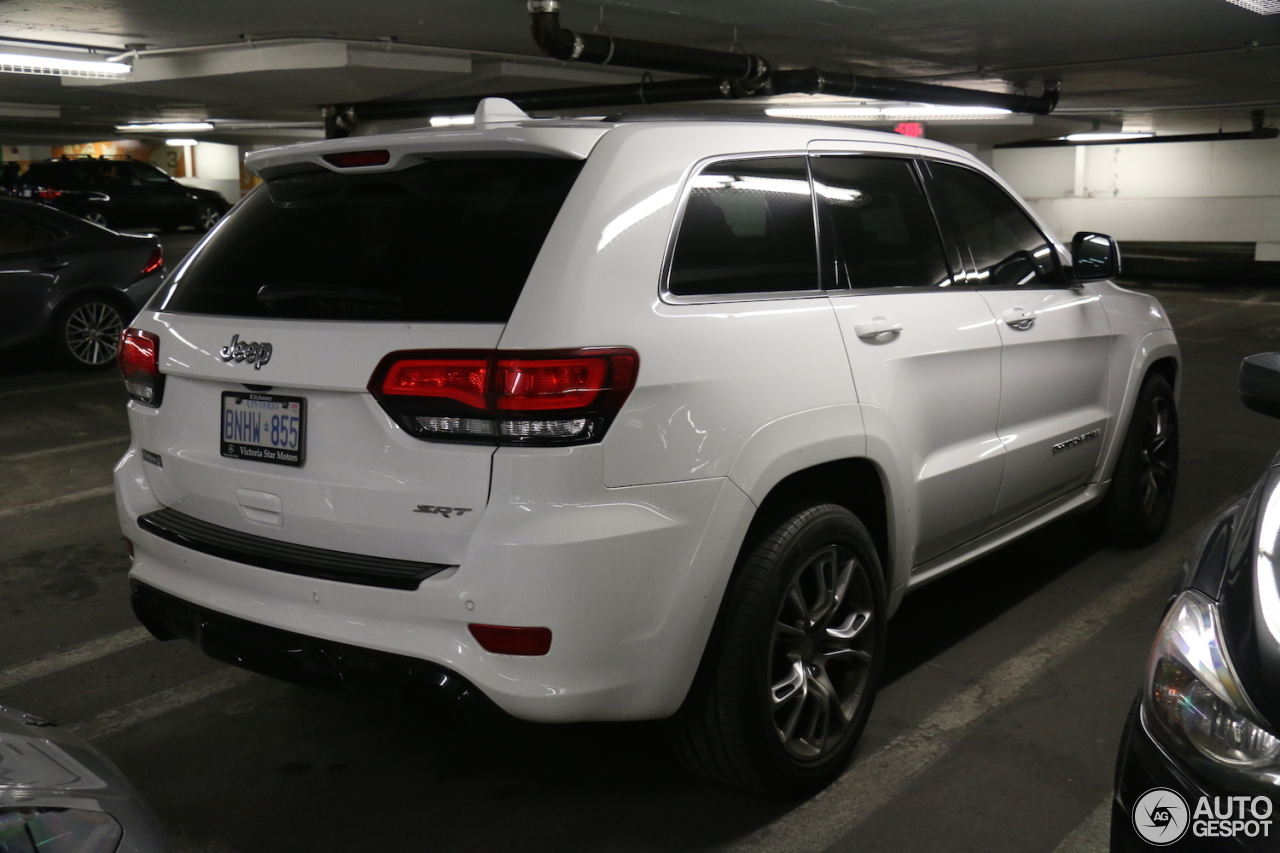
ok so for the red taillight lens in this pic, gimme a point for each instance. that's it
(45, 192)
(139, 362)
(536, 397)
(463, 380)
(565, 383)
(351, 159)
(154, 262)
(505, 640)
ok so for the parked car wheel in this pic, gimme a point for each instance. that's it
(1137, 505)
(207, 216)
(87, 333)
(787, 684)
(96, 215)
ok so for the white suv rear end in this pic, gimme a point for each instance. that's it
(623, 420)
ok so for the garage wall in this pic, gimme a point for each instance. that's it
(1178, 191)
(216, 167)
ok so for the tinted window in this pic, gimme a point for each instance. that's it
(146, 174)
(115, 175)
(1007, 248)
(882, 231)
(747, 228)
(60, 173)
(19, 234)
(445, 241)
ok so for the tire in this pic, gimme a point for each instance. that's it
(1136, 509)
(96, 215)
(206, 217)
(86, 334)
(787, 682)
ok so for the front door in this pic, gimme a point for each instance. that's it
(1057, 340)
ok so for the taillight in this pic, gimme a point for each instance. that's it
(351, 159)
(506, 397)
(45, 192)
(154, 262)
(139, 362)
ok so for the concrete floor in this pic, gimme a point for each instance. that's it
(1006, 686)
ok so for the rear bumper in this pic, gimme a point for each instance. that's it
(628, 581)
(305, 660)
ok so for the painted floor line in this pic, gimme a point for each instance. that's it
(876, 780)
(45, 389)
(83, 653)
(95, 492)
(1093, 835)
(126, 716)
(66, 448)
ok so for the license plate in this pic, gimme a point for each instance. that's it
(264, 427)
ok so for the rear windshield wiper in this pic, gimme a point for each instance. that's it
(272, 294)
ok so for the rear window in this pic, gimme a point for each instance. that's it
(444, 241)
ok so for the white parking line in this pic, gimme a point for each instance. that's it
(66, 448)
(1093, 835)
(878, 778)
(83, 653)
(45, 389)
(86, 494)
(119, 719)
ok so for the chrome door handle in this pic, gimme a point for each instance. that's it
(1019, 319)
(877, 330)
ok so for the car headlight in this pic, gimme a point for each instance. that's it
(42, 830)
(1195, 699)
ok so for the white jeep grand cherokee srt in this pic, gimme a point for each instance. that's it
(621, 420)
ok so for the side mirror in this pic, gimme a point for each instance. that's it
(1260, 383)
(1094, 256)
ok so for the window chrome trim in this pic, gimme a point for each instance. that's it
(664, 287)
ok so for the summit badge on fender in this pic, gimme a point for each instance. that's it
(254, 353)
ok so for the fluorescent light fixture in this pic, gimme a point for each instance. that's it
(910, 112)
(1105, 137)
(1262, 7)
(452, 121)
(51, 66)
(165, 127)
(179, 143)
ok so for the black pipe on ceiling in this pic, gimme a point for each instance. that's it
(584, 97)
(753, 74)
(725, 75)
(747, 70)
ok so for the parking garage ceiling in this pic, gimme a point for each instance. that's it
(260, 68)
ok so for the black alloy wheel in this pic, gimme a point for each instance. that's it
(1140, 498)
(787, 682)
(206, 217)
(96, 215)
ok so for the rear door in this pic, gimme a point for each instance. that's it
(924, 350)
(271, 332)
(1057, 340)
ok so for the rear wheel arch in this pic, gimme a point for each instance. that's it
(857, 484)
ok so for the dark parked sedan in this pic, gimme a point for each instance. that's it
(1199, 765)
(119, 192)
(71, 281)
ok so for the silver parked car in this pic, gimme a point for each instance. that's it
(60, 795)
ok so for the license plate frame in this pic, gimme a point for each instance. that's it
(234, 430)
